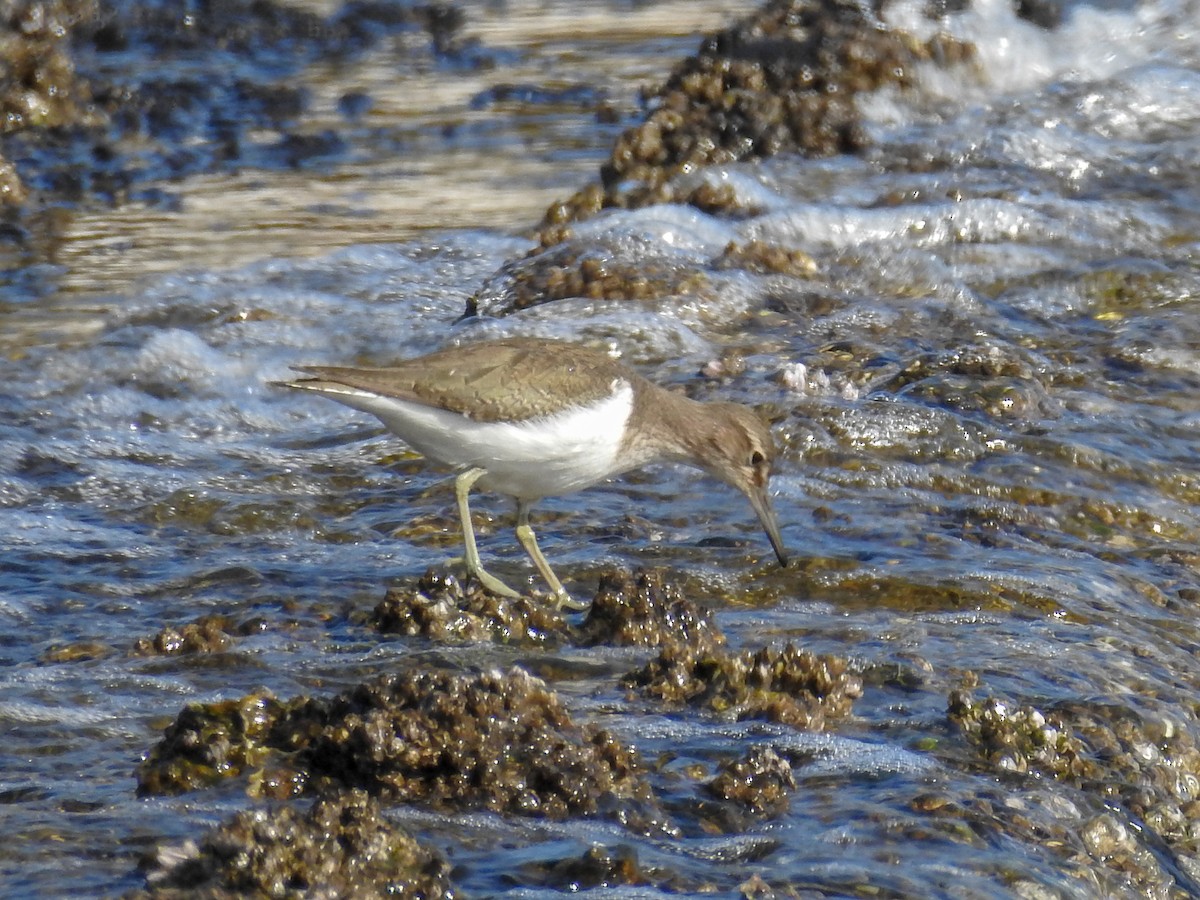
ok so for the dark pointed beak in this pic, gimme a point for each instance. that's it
(766, 514)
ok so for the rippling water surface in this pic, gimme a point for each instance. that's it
(987, 396)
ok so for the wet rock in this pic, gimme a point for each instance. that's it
(791, 686)
(208, 634)
(85, 128)
(760, 782)
(608, 267)
(76, 651)
(834, 370)
(1105, 836)
(440, 609)
(599, 867)
(38, 85)
(762, 258)
(1000, 398)
(907, 430)
(500, 741)
(1017, 739)
(782, 80)
(342, 846)
(597, 269)
(644, 610)
(757, 888)
(995, 379)
(629, 609)
(12, 189)
(208, 743)
(979, 361)
(1046, 14)
(1145, 765)
(730, 364)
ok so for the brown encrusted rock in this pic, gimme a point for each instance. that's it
(792, 686)
(38, 85)
(12, 189)
(761, 782)
(643, 610)
(440, 609)
(745, 790)
(763, 258)
(1020, 738)
(208, 743)
(342, 846)
(600, 267)
(208, 634)
(1152, 764)
(1143, 763)
(784, 79)
(498, 740)
(638, 609)
(75, 651)
(596, 268)
(598, 867)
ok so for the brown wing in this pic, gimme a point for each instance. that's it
(512, 378)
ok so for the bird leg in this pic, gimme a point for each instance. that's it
(462, 486)
(529, 542)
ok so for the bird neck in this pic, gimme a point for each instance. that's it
(666, 425)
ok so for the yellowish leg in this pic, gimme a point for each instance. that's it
(462, 486)
(529, 542)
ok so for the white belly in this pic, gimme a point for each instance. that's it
(536, 458)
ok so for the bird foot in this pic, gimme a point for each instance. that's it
(495, 585)
(564, 600)
(560, 598)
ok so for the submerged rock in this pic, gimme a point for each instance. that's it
(757, 785)
(1144, 770)
(441, 609)
(646, 610)
(642, 608)
(598, 268)
(208, 634)
(341, 846)
(499, 740)
(598, 867)
(791, 686)
(782, 80)
(210, 742)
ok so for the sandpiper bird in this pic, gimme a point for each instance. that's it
(535, 418)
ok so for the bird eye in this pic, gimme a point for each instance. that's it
(757, 458)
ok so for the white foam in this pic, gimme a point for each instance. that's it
(1014, 55)
(667, 229)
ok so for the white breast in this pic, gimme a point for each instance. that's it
(535, 458)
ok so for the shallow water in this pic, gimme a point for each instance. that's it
(987, 397)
